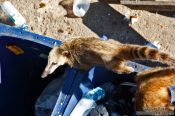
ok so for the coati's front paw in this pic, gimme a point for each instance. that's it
(129, 69)
(124, 70)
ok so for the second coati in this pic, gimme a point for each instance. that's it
(153, 95)
(84, 53)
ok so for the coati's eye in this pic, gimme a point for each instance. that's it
(54, 63)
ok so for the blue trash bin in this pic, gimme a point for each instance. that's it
(23, 57)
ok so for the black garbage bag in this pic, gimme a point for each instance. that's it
(46, 101)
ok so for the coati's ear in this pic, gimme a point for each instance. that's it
(66, 53)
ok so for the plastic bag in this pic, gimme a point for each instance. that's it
(46, 101)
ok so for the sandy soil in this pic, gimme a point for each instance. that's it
(100, 19)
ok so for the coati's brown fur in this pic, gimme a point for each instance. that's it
(153, 95)
(83, 53)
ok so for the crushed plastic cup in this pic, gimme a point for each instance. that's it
(104, 38)
(80, 7)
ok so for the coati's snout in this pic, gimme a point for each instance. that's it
(56, 58)
(50, 68)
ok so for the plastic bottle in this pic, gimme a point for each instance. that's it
(80, 7)
(14, 15)
(154, 44)
(104, 38)
(88, 102)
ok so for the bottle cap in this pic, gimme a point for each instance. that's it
(95, 94)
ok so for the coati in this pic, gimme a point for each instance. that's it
(83, 53)
(153, 95)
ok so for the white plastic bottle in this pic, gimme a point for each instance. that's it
(14, 15)
(88, 102)
(80, 7)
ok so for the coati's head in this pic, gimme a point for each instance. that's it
(58, 56)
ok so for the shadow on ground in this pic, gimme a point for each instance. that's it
(165, 13)
(104, 20)
(168, 11)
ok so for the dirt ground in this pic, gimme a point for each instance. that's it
(101, 19)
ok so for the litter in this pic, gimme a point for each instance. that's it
(43, 3)
(100, 110)
(104, 38)
(81, 82)
(133, 19)
(130, 18)
(172, 92)
(88, 102)
(15, 49)
(80, 7)
(154, 44)
(14, 15)
(117, 102)
(127, 15)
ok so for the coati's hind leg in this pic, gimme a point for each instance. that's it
(120, 68)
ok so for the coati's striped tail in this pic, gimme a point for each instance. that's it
(136, 52)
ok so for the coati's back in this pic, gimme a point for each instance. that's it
(113, 49)
(92, 43)
(153, 93)
(91, 50)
